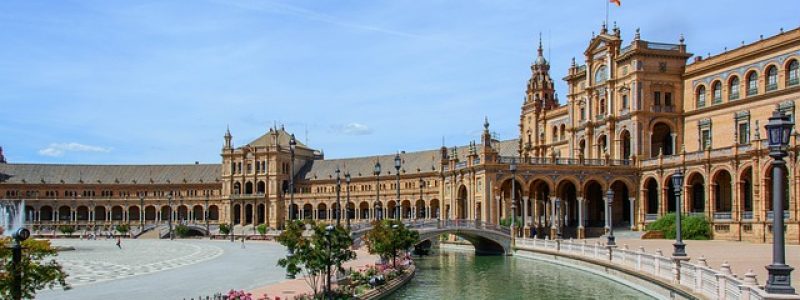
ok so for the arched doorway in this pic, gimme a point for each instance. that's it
(540, 204)
(248, 188)
(651, 209)
(133, 213)
(505, 208)
(183, 213)
(393, 209)
(322, 211)
(237, 214)
(100, 213)
(625, 138)
(82, 213)
(261, 188)
(435, 211)
(363, 208)
(621, 205)
(723, 195)
(420, 206)
(595, 209)
(64, 213)
(150, 213)
(308, 211)
(46, 213)
(747, 193)
(661, 140)
(213, 213)
(461, 203)
(567, 215)
(405, 209)
(197, 213)
(697, 188)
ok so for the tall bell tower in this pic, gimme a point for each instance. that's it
(540, 97)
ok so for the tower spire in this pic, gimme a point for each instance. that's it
(228, 138)
(2, 157)
(540, 50)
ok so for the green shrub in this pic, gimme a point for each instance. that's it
(507, 222)
(182, 230)
(262, 229)
(67, 229)
(123, 228)
(694, 227)
(224, 229)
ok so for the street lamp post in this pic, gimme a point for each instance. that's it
(328, 236)
(346, 205)
(205, 215)
(378, 206)
(779, 131)
(513, 168)
(169, 221)
(679, 246)
(292, 147)
(424, 210)
(610, 197)
(338, 197)
(141, 212)
(397, 163)
(18, 237)
(394, 245)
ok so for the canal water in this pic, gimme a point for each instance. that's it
(462, 275)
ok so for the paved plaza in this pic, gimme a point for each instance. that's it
(162, 269)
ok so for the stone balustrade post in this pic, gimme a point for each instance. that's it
(639, 258)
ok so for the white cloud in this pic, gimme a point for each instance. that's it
(353, 129)
(58, 149)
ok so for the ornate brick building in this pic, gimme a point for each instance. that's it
(634, 113)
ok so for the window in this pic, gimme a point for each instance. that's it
(624, 101)
(583, 113)
(793, 76)
(668, 99)
(657, 98)
(772, 78)
(733, 88)
(744, 133)
(600, 75)
(706, 138)
(602, 106)
(704, 128)
(717, 92)
(752, 83)
(701, 96)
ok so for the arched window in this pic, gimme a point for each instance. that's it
(793, 73)
(602, 106)
(600, 75)
(700, 96)
(717, 92)
(772, 78)
(752, 83)
(733, 88)
(563, 134)
(555, 133)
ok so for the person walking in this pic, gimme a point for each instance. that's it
(242, 242)
(119, 242)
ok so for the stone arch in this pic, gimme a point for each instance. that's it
(696, 187)
(745, 176)
(261, 187)
(505, 206)
(435, 208)
(82, 213)
(183, 213)
(237, 213)
(46, 213)
(461, 203)
(671, 196)
(117, 213)
(420, 209)
(405, 209)
(100, 213)
(594, 194)
(540, 179)
(626, 149)
(197, 213)
(213, 212)
(661, 138)
(651, 190)
(621, 205)
(322, 211)
(64, 213)
(237, 188)
(485, 243)
(364, 210)
(248, 188)
(595, 178)
(150, 213)
(308, 211)
(134, 213)
(722, 189)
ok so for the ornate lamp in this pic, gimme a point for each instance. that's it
(779, 131)
(679, 246)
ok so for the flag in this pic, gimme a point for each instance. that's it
(616, 2)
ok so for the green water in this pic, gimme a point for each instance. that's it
(462, 275)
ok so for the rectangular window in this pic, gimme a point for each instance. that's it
(705, 138)
(744, 133)
(668, 99)
(657, 98)
(624, 101)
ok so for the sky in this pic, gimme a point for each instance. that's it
(154, 82)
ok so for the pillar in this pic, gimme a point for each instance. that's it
(581, 215)
(632, 201)
(553, 216)
(525, 228)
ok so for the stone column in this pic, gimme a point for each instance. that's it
(553, 216)
(632, 201)
(581, 221)
(525, 228)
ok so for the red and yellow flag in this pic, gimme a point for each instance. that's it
(616, 2)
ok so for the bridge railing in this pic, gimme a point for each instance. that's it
(696, 276)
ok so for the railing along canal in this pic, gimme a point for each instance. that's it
(698, 277)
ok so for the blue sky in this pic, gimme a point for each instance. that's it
(159, 81)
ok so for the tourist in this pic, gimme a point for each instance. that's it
(242, 242)
(119, 242)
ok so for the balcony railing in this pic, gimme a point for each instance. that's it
(651, 217)
(747, 215)
(561, 161)
(723, 216)
(771, 214)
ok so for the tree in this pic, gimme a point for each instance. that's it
(310, 255)
(67, 229)
(37, 273)
(182, 230)
(224, 229)
(262, 229)
(123, 228)
(387, 237)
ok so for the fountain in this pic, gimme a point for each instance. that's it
(12, 216)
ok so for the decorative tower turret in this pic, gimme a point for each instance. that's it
(2, 157)
(228, 138)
